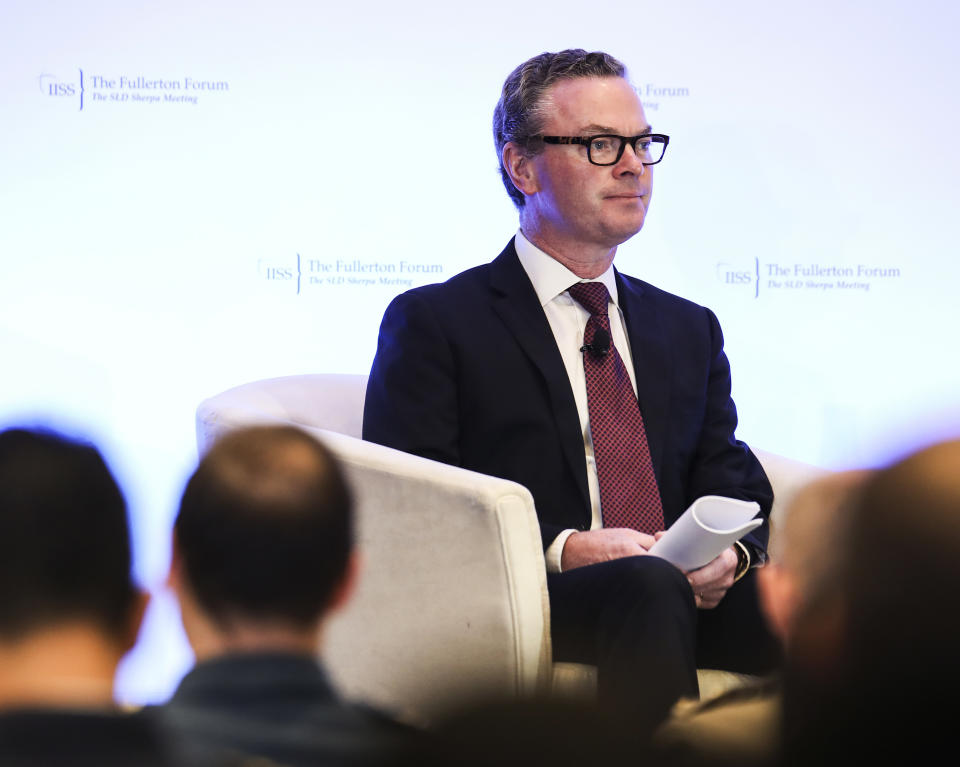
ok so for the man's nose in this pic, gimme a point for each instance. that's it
(630, 161)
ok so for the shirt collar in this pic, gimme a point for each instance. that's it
(550, 278)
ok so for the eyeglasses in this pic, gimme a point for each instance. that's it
(607, 148)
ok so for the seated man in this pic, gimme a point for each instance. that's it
(262, 555)
(69, 610)
(607, 398)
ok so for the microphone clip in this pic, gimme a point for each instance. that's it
(599, 346)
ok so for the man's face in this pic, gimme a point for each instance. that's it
(577, 204)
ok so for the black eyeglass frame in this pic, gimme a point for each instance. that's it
(586, 141)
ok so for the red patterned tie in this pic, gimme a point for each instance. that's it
(629, 496)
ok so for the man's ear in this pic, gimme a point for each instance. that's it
(520, 168)
(343, 591)
(179, 586)
(778, 596)
(175, 573)
(138, 609)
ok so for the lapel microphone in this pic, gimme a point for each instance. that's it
(600, 346)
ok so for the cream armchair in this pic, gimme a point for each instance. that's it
(453, 597)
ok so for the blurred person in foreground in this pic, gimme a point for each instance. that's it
(263, 554)
(69, 609)
(875, 657)
(743, 725)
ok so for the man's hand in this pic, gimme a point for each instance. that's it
(711, 581)
(592, 546)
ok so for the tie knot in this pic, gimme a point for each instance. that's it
(592, 296)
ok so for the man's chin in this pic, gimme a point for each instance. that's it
(627, 210)
(623, 229)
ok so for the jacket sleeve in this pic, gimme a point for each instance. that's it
(722, 464)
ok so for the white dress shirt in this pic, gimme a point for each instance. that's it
(568, 320)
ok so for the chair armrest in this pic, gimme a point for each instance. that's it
(453, 599)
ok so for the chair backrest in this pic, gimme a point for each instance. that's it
(331, 401)
(452, 599)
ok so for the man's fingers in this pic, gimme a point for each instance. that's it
(588, 547)
(707, 600)
(710, 583)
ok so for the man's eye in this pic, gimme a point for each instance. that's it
(644, 144)
(601, 145)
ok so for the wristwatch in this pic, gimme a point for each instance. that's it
(743, 560)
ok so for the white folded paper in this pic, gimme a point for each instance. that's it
(707, 527)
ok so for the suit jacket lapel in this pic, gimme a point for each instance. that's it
(517, 305)
(652, 364)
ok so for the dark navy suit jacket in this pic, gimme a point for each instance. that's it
(468, 372)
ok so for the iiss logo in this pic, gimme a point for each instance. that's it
(744, 274)
(59, 88)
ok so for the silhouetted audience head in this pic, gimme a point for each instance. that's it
(263, 553)
(264, 535)
(64, 538)
(69, 610)
(742, 725)
(875, 654)
(804, 558)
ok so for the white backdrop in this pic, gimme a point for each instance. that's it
(198, 194)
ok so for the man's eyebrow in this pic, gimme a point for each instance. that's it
(593, 129)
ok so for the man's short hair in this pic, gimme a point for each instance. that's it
(903, 550)
(519, 115)
(265, 527)
(64, 537)
(818, 512)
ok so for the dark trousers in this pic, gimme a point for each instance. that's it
(636, 620)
